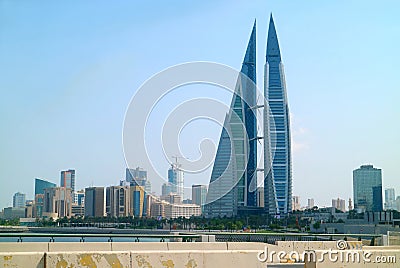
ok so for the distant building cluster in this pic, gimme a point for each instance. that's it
(133, 197)
(339, 204)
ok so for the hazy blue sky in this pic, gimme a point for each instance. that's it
(68, 72)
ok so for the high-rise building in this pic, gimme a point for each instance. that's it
(40, 185)
(398, 203)
(68, 180)
(38, 206)
(150, 199)
(233, 181)
(118, 201)
(132, 174)
(19, 200)
(166, 189)
(390, 198)
(57, 202)
(350, 204)
(138, 177)
(94, 202)
(138, 201)
(339, 204)
(377, 199)
(310, 203)
(175, 179)
(296, 202)
(367, 188)
(277, 150)
(199, 194)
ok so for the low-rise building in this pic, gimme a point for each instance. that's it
(157, 209)
(172, 198)
(78, 210)
(11, 213)
(173, 211)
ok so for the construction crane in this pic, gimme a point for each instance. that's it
(177, 165)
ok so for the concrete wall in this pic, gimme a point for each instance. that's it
(176, 254)
(128, 254)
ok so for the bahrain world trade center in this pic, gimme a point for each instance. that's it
(233, 188)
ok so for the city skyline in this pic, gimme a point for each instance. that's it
(136, 175)
(100, 64)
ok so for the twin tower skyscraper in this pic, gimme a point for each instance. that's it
(233, 188)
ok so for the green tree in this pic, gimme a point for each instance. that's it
(317, 225)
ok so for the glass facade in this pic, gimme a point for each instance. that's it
(19, 200)
(277, 151)
(68, 181)
(137, 177)
(134, 174)
(138, 201)
(233, 178)
(175, 180)
(367, 188)
(40, 185)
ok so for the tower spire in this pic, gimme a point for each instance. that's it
(273, 50)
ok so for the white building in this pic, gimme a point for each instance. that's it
(173, 211)
(339, 204)
(296, 202)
